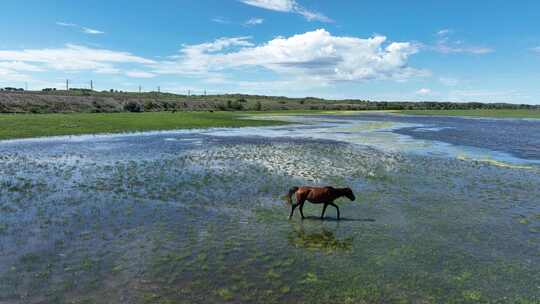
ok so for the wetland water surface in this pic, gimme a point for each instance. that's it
(447, 210)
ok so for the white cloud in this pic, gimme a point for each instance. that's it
(254, 21)
(92, 31)
(140, 74)
(69, 58)
(8, 75)
(220, 20)
(83, 29)
(444, 32)
(449, 49)
(198, 59)
(288, 6)
(11, 71)
(20, 66)
(66, 24)
(275, 5)
(446, 45)
(536, 49)
(423, 91)
(316, 55)
(449, 81)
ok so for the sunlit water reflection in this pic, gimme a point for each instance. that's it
(199, 217)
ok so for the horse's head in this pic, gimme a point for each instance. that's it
(347, 192)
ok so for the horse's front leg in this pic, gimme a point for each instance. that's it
(324, 210)
(337, 208)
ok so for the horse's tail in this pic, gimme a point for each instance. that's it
(290, 194)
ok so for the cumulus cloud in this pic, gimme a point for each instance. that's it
(69, 58)
(315, 58)
(288, 6)
(315, 55)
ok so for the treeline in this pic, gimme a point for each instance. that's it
(432, 105)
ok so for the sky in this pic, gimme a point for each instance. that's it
(486, 51)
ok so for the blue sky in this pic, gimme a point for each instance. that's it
(456, 50)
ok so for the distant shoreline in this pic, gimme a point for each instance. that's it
(502, 113)
(88, 101)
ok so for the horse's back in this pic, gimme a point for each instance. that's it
(316, 194)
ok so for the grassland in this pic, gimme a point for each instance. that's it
(502, 113)
(39, 125)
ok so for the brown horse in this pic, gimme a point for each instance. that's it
(317, 195)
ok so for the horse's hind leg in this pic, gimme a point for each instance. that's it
(292, 210)
(302, 209)
(337, 208)
(323, 211)
(300, 200)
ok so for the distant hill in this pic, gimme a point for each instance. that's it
(87, 101)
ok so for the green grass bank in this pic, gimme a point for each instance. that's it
(14, 126)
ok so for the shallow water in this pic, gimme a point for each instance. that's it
(199, 216)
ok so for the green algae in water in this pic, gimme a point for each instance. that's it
(225, 294)
(144, 227)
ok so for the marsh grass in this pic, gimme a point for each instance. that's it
(13, 126)
(168, 222)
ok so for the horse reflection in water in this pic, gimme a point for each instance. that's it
(324, 240)
(317, 195)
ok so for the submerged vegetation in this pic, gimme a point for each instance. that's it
(198, 219)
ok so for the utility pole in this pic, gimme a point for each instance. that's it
(91, 85)
(140, 89)
(26, 86)
(159, 89)
(188, 92)
(204, 92)
(67, 84)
